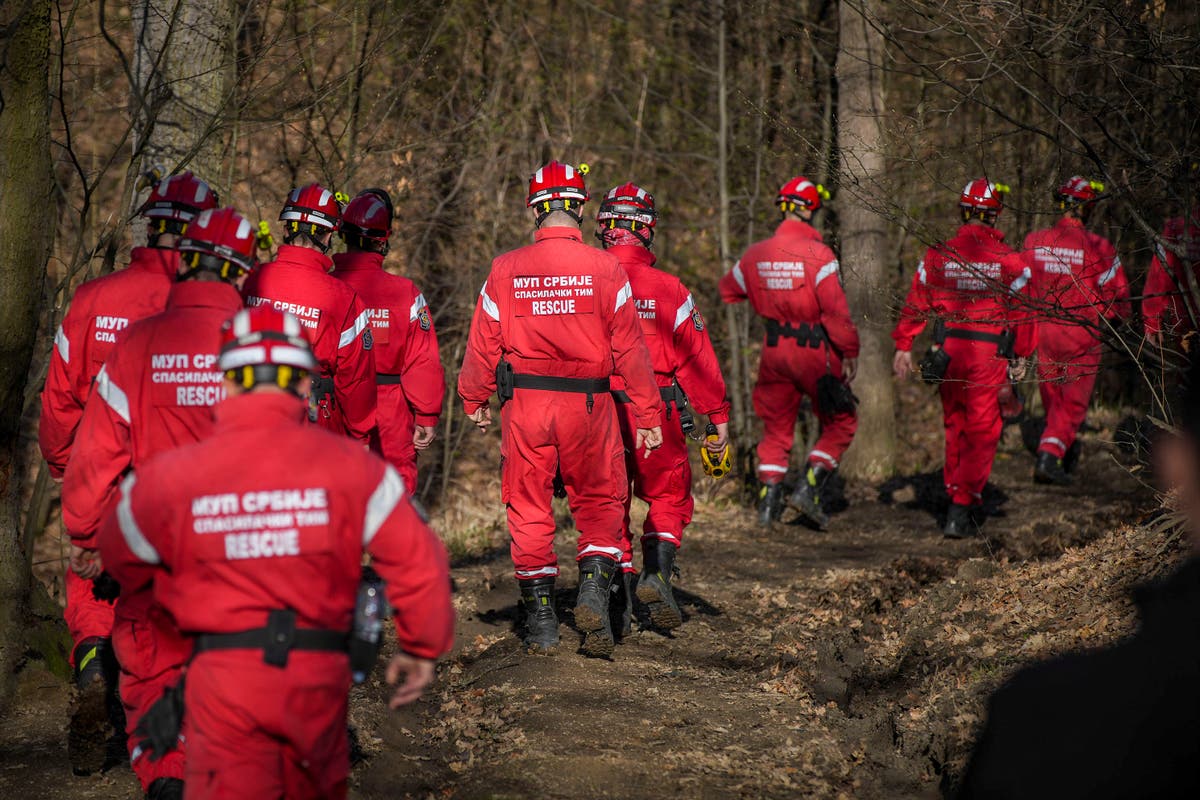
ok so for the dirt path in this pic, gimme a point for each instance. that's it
(718, 710)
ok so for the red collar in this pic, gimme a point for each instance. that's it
(1069, 222)
(362, 259)
(303, 257)
(204, 294)
(796, 227)
(632, 254)
(257, 410)
(155, 259)
(973, 231)
(558, 232)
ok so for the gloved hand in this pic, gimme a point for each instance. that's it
(105, 588)
(159, 727)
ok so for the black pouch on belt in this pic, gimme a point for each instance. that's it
(834, 396)
(504, 381)
(934, 365)
(159, 726)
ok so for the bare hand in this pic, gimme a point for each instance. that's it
(423, 436)
(649, 438)
(1017, 368)
(85, 563)
(902, 364)
(418, 674)
(716, 446)
(849, 368)
(482, 417)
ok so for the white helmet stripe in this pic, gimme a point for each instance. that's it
(243, 228)
(201, 191)
(537, 176)
(570, 171)
(325, 195)
(241, 324)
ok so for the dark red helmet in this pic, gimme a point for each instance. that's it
(221, 241)
(368, 215)
(174, 202)
(800, 191)
(983, 195)
(558, 187)
(309, 208)
(264, 336)
(1078, 190)
(626, 215)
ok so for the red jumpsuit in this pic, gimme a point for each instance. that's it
(1169, 304)
(268, 513)
(155, 393)
(100, 312)
(562, 309)
(680, 350)
(972, 283)
(792, 279)
(410, 381)
(1077, 281)
(335, 322)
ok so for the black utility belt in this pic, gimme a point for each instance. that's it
(667, 393)
(1004, 340)
(386, 379)
(276, 640)
(554, 383)
(806, 335)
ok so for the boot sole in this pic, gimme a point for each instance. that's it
(662, 613)
(597, 644)
(90, 730)
(535, 649)
(587, 619)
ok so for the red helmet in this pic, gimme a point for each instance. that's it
(557, 187)
(175, 200)
(368, 215)
(1078, 190)
(264, 336)
(222, 241)
(626, 215)
(309, 208)
(983, 195)
(800, 191)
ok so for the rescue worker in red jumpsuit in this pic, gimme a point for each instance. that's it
(971, 286)
(100, 312)
(687, 373)
(333, 316)
(793, 283)
(1171, 296)
(1078, 285)
(410, 382)
(554, 321)
(253, 541)
(156, 392)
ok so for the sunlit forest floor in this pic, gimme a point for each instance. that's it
(853, 662)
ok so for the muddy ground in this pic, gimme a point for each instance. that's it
(847, 663)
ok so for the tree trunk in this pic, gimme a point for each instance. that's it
(864, 235)
(26, 192)
(183, 65)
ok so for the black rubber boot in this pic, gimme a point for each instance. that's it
(165, 789)
(1050, 470)
(1071, 459)
(958, 522)
(770, 504)
(807, 497)
(93, 722)
(620, 605)
(596, 576)
(654, 587)
(541, 623)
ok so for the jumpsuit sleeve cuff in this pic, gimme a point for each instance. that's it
(421, 651)
(86, 541)
(471, 406)
(719, 416)
(904, 345)
(426, 420)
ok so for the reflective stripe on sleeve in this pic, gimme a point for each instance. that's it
(829, 269)
(623, 296)
(738, 276)
(350, 334)
(1021, 280)
(112, 394)
(63, 345)
(489, 305)
(1112, 271)
(922, 276)
(685, 311)
(383, 502)
(135, 540)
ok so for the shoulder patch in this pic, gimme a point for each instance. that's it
(697, 320)
(423, 318)
(368, 339)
